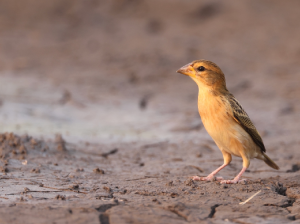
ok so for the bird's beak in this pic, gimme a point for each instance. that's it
(186, 70)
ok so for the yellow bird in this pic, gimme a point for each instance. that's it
(224, 119)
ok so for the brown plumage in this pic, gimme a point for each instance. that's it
(224, 118)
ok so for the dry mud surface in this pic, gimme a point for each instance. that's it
(57, 182)
(96, 126)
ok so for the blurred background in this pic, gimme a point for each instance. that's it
(105, 70)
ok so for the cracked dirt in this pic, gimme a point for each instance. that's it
(69, 186)
(96, 126)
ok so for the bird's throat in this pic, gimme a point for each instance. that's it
(209, 104)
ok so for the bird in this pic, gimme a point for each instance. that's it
(225, 120)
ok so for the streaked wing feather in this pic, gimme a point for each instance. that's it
(243, 119)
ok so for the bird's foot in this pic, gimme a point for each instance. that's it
(234, 181)
(208, 178)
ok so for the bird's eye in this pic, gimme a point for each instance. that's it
(200, 68)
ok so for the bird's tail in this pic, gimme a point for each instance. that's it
(270, 162)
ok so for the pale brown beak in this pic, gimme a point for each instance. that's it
(186, 70)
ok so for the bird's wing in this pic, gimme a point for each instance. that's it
(241, 117)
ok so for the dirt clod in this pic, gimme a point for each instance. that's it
(279, 188)
(22, 149)
(3, 169)
(22, 199)
(190, 182)
(60, 197)
(35, 170)
(79, 170)
(295, 168)
(174, 195)
(170, 184)
(74, 187)
(108, 189)
(33, 142)
(60, 143)
(99, 171)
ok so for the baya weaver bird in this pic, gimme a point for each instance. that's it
(224, 119)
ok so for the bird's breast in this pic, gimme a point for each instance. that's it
(215, 115)
(216, 120)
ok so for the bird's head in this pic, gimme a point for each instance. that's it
(205, 73)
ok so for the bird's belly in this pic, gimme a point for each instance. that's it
(225, 139)
(230, 136)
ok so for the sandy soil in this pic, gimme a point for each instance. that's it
(98, 128)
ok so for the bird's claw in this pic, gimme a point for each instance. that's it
(208, 178)
(221, 179)
(229, 182)
(232, 181)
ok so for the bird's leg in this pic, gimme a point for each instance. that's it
(246, 163)
(210, 177)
